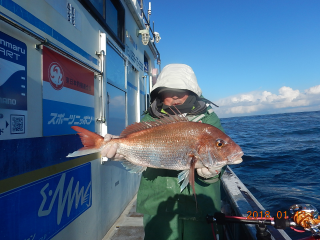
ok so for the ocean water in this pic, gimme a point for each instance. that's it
(281, 163)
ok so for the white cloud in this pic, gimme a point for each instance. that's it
(313, 90)
(264, 102)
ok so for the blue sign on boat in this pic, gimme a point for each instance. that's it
(68, 95)
(13, 73)
(58, 117)
(43, 208)
(13, 87)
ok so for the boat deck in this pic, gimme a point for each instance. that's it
(129, 226)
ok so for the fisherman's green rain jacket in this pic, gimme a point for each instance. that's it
(159, 191)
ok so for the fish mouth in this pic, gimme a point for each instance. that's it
(235, 158)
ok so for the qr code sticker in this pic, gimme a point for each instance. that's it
(17, 124)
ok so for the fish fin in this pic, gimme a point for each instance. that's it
(183, 176)
(164, 119)
(191, 178)
(83, 152)
(132, 167)
(90, 140)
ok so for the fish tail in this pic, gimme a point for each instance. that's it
(80, 153)
(90, 140)
(191, 178)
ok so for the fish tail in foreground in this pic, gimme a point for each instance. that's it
(91, 141)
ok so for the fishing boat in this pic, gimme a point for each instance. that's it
(88, 63)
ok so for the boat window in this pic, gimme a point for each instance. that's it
(99, 5)
(144, 85)
(132, 94)
(116, 110)
(110, 14)
(142, 92)
(115, 68)
(142, 100)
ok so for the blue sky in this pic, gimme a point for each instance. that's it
(250, 56)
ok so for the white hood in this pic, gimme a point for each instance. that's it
(179, 76)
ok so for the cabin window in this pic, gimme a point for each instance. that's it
(110, 14)
(143, 89)
(144, 84)
(115, 68)
(99, 5)
(132, 92)
(116, 110)
(142, 97)
(115, 17)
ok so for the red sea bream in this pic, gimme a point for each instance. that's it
(171, 142)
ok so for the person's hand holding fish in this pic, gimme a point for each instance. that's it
(110, 151)
(215, 170)
(209, 172)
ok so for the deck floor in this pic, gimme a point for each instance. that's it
(129, 226)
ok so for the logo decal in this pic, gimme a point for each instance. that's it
(48, 205)
(56, 76)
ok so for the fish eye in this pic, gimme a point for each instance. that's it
(220, 143)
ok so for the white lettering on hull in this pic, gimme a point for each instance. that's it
(68, 198)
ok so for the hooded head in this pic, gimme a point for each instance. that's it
(176, 76)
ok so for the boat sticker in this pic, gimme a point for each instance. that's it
(68, 95)
(45, 207)
(13, 87)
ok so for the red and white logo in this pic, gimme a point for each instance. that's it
(56, 76)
